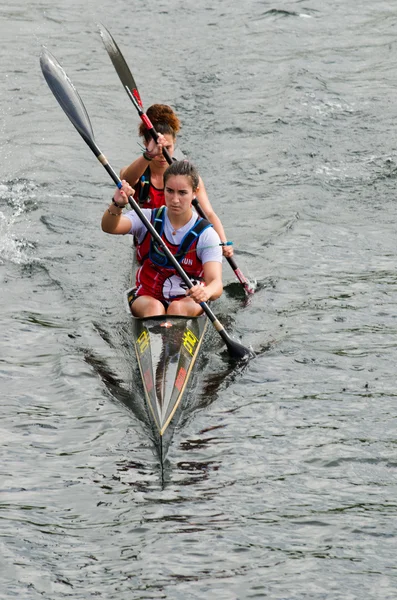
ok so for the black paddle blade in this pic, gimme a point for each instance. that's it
(119, 63)
(67, 95)
(237, 350)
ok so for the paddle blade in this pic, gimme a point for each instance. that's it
(237, 350)
(119, 63)
(67, 95)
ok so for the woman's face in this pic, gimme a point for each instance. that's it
(178, 193)
(170, 147)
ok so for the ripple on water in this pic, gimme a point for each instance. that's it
(280, 478)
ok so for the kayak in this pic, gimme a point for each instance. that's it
(166, 348)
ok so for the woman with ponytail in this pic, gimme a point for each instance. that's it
(146, 173)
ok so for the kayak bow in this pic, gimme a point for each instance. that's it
(166, 348)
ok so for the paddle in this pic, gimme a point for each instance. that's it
(131, 88)
(71, 103)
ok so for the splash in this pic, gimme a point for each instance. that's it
(16, 199)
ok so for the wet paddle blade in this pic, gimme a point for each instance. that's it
(119, 63)
(237, 350)
(67, 95)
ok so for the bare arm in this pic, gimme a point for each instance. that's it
(213, 283)
(136, 169)
(205, 204)
(115, 224)
(113, 220)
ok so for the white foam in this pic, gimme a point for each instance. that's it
(14, 196)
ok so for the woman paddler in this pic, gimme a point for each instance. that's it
(191, 239)
(146, 173)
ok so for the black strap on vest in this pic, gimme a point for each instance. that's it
(156, 254)
(144, 188)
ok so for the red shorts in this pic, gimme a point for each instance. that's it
(142, 291)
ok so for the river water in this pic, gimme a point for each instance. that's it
(280, 481)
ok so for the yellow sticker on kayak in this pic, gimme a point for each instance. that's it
(143, 341)
(189, 340)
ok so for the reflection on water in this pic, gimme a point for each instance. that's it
(279, 481)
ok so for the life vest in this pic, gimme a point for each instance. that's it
(157, 276)
(146, 194)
